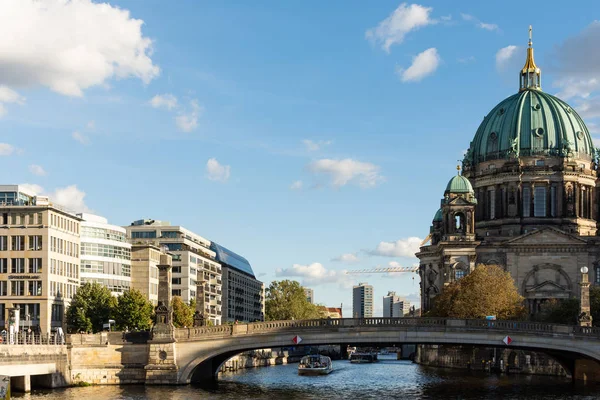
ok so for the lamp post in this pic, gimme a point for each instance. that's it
(585, 317)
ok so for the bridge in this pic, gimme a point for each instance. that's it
(200, 351)
(182, 356)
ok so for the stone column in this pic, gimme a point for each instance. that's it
(585, 317)
(162, 357)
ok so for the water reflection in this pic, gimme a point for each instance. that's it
(388, 379)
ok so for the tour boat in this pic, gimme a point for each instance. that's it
(315, 364)
(363, 358)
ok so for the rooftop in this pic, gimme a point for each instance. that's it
(229, 258)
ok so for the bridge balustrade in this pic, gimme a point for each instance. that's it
(24, 338)
(415, 323)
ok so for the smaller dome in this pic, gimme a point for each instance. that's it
(438, 216)
(459, 184)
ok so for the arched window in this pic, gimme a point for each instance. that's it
(459, 222)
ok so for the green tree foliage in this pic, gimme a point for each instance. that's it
(92, 306)
(134, 311)
(488, 290)
(285, 300)
(183, 315)
(566, 311)
(557, 311)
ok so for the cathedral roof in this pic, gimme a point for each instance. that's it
(459, 184)
(438, 216)
(530, 123)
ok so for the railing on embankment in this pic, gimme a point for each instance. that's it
(212, 332)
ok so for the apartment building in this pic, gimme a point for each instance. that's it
(105, 254)
(144, 271)
(310, 295)
(362, 301)
(395, 306)
(243, 294)
(192, 260)
(39, 258)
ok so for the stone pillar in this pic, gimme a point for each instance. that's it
(21, 383)
(162, 358)
(585, 317)
(200, 314)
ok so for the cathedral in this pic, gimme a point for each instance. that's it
(526, 200)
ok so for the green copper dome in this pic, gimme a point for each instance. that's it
(438, 216)
(459, 184)
(530, 123)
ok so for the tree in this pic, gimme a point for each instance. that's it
(91, 307)
(183, 316)
(488, 290)
(286, 300)
(133, 311)
(556, 311)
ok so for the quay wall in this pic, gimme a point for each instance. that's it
(482, 359)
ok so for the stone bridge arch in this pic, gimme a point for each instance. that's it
(201, 353)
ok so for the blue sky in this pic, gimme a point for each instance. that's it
(310, 137)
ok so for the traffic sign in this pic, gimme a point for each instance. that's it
(297, 339)
(507, 340)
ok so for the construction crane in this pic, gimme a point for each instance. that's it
(383, 270)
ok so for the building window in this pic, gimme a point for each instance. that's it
(35, 242)
(3, 265)
(176, 281)
(526, 201)
(458, 274)
(35, 288)
(143, 235)
(3, 243)
(170, 234)
(539, 163)
(35, 265)
(553, 201)
(17, 288)
(176, 292)
(597, 269)
(539, 201)
(18, 266)
(3, 288)
(18, 243)
(491, 203)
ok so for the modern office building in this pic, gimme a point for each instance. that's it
(243, 294)
(105, 254)
(310, 295)
(193, 260)
(395, 306)
(144, 271)
(362, 301)
(39, 258)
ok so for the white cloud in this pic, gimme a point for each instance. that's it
(589, 108)
(478, 23)
(423, 64)
(7, 95)
(346, 258)
(167, 101)
(80, 137)
(466, 60)
(91, 125)
(577, 63)
(188, 121)
(37, 170)
(315, 274)
(315, 146)
(446, 17)
(217, 172)
(6, 149)
(342, 172)
(69, 197)
(394, 28)
(400, 248)
(506, 57)
(75, 45)
(297, 185)
(488, 27)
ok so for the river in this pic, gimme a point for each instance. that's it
(387, 379)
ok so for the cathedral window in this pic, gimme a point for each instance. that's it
(597, 271)
(458, 274)
(553, 201)
(539, 202)
(526, 201)
(491, 203)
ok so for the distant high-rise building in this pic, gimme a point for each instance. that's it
(310, 295)
(395, 306)
(362, 301)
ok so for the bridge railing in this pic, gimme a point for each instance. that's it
(24, 338)
(401, 323)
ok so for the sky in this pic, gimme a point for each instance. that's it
(310, 137)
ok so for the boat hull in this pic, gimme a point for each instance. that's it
(314, 371)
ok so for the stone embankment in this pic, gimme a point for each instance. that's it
(254, 359)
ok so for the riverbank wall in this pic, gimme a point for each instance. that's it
(255, 359)
(489, 359)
